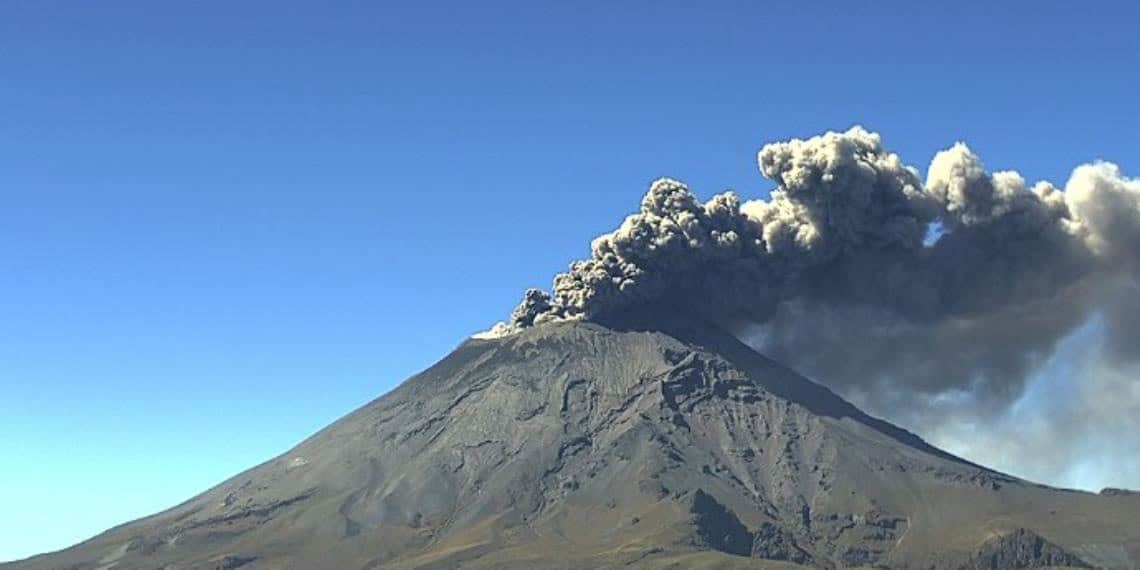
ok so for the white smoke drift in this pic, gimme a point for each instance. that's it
(833, 276)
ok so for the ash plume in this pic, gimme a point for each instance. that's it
(903, 293)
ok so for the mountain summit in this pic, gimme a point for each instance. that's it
(578, 445)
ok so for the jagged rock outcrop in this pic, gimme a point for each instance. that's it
(1023, 549)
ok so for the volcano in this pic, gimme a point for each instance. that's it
(582, 445)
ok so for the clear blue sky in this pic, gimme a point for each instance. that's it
(224, 225)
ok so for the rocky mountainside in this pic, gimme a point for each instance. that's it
(577, 445)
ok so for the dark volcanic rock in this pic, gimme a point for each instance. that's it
(1114, 492)
(1023, 549)
(717, 527)
(231, 562)
(578, 445)
(774, 543)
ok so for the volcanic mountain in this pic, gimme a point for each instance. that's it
(578, 445)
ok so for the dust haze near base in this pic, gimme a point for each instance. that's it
(835, 275)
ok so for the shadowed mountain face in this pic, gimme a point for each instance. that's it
(578, 445)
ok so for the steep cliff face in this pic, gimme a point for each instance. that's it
(577, 445)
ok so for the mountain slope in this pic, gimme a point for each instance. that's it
(576, 445)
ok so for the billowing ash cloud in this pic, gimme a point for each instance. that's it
(846, 224)
(835, 273)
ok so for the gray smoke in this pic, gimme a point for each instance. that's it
(938, 300)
